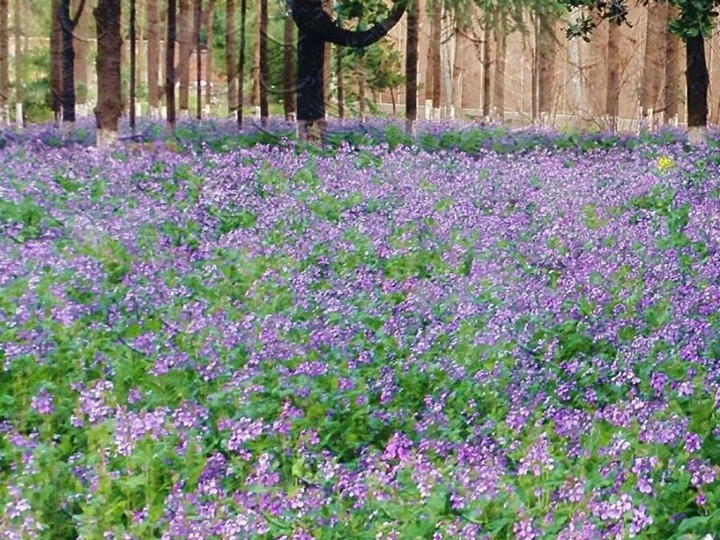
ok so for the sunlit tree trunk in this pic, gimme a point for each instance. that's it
(19, 119)
(654, 62)
(153, 58)
(411, 64)
(500, 36)
(340, 82)
(546, 55)
(672, 73)
(185, 39)
(612, 97)
(433, 81)
(4, 64)
(81, 35)
(289, 69)
(109, 104)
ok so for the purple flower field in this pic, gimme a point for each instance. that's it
(277, 342)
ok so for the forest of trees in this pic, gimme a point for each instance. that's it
(307, 59)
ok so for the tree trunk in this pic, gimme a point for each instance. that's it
(109, 104)
(241, 63)
(289, 70)
(68, 25)
(546, 55)
(672, 74)
(81, 35)
(19, 117)
(230, 58)
(360, 72)
(264, 68)
(4, 65)
(133, 61)
(56, 63)
(255, 96)
(411, 62)
(185, 38)
(327, 6)
(499, 75)
(198, 58)
(697, 81)
(612, 97)
(209, 59)
(340, 82)
(487, 67)
(654, 62)
(153, 57)
(170, 62)
(435, 57)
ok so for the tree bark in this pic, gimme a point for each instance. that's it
(654, 62)
(230, 58)
(340, 82)
(672, 73)
(327, 6)
(198, 58)
(487, 66)
(153, 57)
(81, 35)
(697, 81)
(612, 97)
(289, 70)
(360, 72)
(264, 68)
(546, 55)
(499, 75)
(56, 63)
(19, 116)
(209, 58)
(109, 104)
(185, 38)
(255, 96)
(411, 62)
(170, 62)
(434, 60)
(133, 61)
(241, 63)
(4, 64)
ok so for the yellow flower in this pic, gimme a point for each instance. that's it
(665, 163)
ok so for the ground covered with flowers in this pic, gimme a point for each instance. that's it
(471, 337)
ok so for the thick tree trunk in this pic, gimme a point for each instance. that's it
(4, 65)
(185, 38)
(487, 67)
(109, 104)
(170, 62)
(19, 117)
(56, 63)
(654, 62)
(264, 68)
(697, 81)
(434, 60)
(411, 63)
(612, 97)
(153, 57)
(546, 55)
(672, 74)
(289, 70)
(499, 75)
(241, 63)
(230, 58)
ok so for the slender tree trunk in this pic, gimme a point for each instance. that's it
(697, 81)
(411, 63)
(289, 69)
(547, 52)
(241, 63)
(153, 57)
(19, 119)
(81, 36)
(255, 96)
(264, 68)
(327, 6)
(210, 35)
(612, 97)
(230, 58)
(185, 34)
(56, 63)
(133, 61)
(499, 76)
(487, 66)
(435, 57)
(672, 74)
(198, 58)
(340, 82)
(360, 72)
(4, 64)
(109, 104)
(170, 62)
(654, 61)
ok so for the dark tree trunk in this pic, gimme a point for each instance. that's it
(109, 104)
(289, 70)
(264, 68)
(697, 81)
(170, 62)
(133, 61)
(241, 63)
(315, 28)
(230, 58)
(56, 75)
(411, 62)
(68, 60)
(153, 53)
(487, 66)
